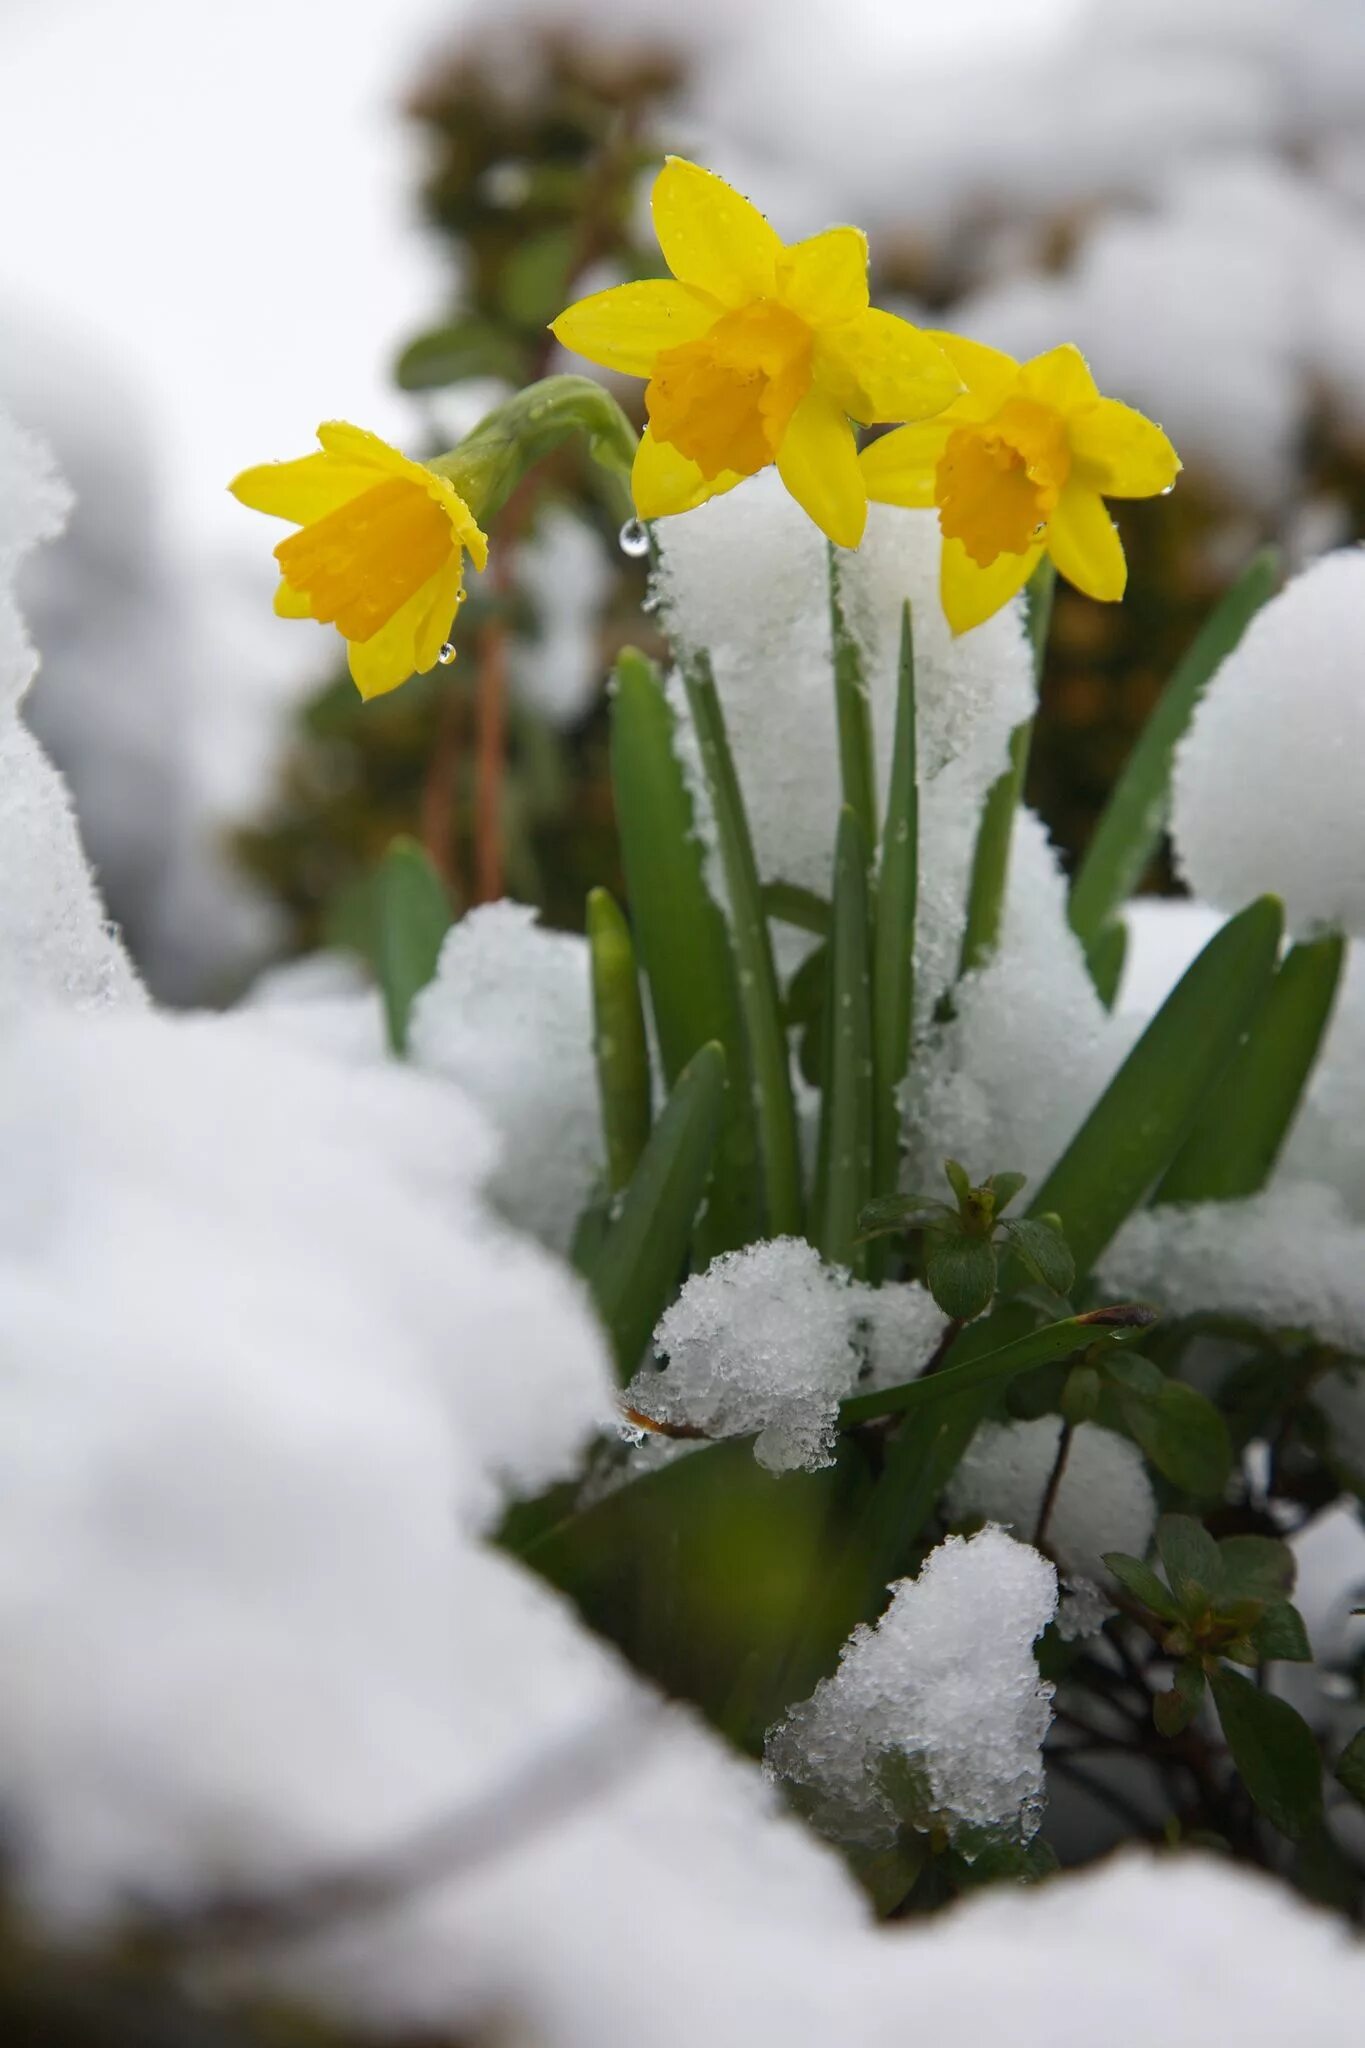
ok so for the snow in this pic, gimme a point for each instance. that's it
(564, 574)
(936, 1716)
(1104, 1500)
(55, 941)
(744, 578)
(1006, 1082)
(1265, 797)
(509, 1018)
(1325, 1142)
(770, 1339)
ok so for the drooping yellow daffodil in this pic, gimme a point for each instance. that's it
(1020, 465)
(379, 553)
(756, 351)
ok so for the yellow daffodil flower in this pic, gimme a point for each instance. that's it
(379, 553)
(756, 351)
(1020, 466)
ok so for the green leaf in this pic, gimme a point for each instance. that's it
(1350, 1766)
(1142, 1582)
(892, 1215)
(413, 918)
(843, 1178)
(619, 1041)
(1257, 1567)
(1234, 1145)
(959, 1272)
(635, 1272)
(1135, 816)
(759, 1000)
(1280, 1636)
(1005, 1186)
(681, 938)
(467, 347)
(1105, 957)
(1132, 1371)
(1041, 1248)
(994, 1369)
(535, 277)
(853, 713)
(1190, 1559)
(1183, 1434)
(790, 904)
(1152, 1103)
(991, 858)
(1274, 1750)
(1174, 1710)
(893, 975)
(959, 1180)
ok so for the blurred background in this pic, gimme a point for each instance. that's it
(228, 223)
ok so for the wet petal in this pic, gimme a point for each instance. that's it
(663, 481)
(626, 327)
(901, 468)
(291, 603)
(824, 278)
(970, 594)
(389, 657)
(711, 236)
(1121, 454)
(879, 367)
(302, 490)
(988, 373)
(818, 462)
(1084, 543)
(1061, 377)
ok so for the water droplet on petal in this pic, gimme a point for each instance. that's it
(1166, 490)
(634, 538)
(445, 653)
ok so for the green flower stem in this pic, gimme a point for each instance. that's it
(490, 462)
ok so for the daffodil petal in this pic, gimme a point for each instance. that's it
(879, 367)
(291, 603)
(626, 327)
(1061, 377)
(303, 490)
(1119, 452)
(971, 594)
(711, 236)
(1084, 543)
(900, 468)
(389, 657)
(818, 462)
(347, 443)
(988, 373)
(824, 278)
(663, 482)
(443, 595)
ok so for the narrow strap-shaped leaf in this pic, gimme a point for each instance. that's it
(760, 1000)
(1105, 957)
(636, 1268)
(1153, 1102)
(619, 1042)
(1103, 1326)
(1135, 815)
(1246, 1119)
(790, 904)
(413, 917)
(893, 965)
(853, 713)
(991, 859)
(681, 936)
(843, 1181)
